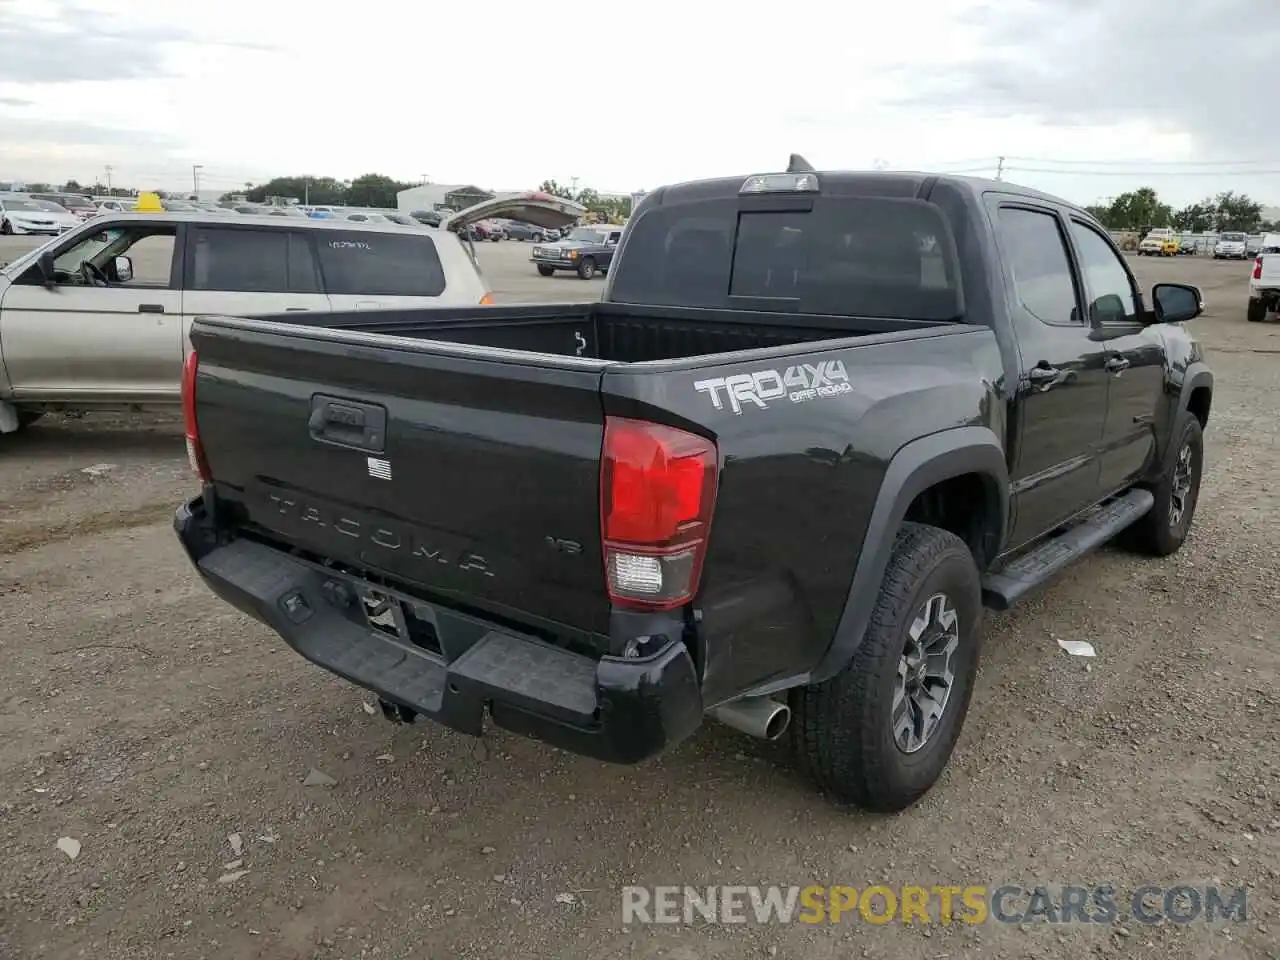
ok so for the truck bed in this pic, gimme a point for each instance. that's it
(610, 332)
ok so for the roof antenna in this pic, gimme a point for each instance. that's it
(799, 164)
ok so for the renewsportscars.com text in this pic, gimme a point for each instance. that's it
(935, 904)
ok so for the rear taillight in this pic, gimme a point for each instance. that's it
(657, 494)
(195, 452)
(1257, 269)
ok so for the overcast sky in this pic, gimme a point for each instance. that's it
(1085, 98)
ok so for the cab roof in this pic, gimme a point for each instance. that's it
(883, 183)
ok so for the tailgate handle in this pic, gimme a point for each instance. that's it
(348, 423)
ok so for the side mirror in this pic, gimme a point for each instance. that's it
(1108, 308)
(124, 269)
(45, 266)
(1176, 302)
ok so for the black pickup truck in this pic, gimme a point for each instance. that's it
(816, 424)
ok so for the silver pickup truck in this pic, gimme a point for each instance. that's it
(99, 317)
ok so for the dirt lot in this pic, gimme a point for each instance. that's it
(149, 721)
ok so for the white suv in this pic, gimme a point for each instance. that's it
(100, 316)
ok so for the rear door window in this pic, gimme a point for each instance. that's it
(251, 261)
(848, 256)
(380, 264)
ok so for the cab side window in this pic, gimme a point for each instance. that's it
(1109, 287)
(1035, 253)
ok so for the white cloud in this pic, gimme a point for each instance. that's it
(497, 93)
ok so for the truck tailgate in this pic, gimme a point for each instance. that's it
(472, 478)
(1269, 275)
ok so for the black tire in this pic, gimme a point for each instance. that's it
(27, 417)
(844, 729)
(546, 271)
(1257, 311)
(1164, 529)
(6, 228)
(536, 238)
(586, 268)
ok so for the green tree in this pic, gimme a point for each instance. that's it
(306, 188)
(1235, 211)
(1139, 209)
(1195, 217)
(374, 190)
(1100, 212)
(556, 189)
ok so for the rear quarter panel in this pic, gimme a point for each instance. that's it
(801, 470)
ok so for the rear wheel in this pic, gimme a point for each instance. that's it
(545, 271)
(1257, 311)
(586, 268)
(879, 733)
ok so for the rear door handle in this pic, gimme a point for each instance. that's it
(1116, 364)
(151, 308)
(1044, 377)
(296, 309)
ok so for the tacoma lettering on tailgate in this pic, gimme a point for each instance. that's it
(392, 538)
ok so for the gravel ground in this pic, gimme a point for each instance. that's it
(150, 722)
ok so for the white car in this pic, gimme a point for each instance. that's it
(1231, 246)
(100, 318)
(23, 215)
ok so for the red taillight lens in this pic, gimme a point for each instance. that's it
(1257, 269)
(657, 494)
(195, 452)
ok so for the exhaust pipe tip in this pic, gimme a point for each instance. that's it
(761, 717)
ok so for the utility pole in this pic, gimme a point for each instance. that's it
(306, 191)
(999, 168)
(195, 178)
(108, 179)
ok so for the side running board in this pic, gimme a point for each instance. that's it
(1013, 581)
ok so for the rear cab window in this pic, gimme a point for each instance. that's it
(380, 264)
(842, 255)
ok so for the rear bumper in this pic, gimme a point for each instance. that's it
(614, 709)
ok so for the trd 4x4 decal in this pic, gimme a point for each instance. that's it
(799, 384)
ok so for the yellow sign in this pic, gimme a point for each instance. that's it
(148, 203)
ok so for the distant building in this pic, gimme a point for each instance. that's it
(433, 196)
